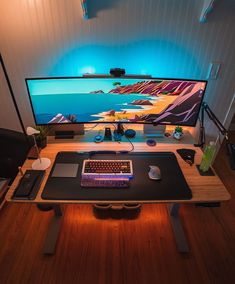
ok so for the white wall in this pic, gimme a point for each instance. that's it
(160, 37)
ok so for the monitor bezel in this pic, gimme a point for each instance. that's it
(111, 77)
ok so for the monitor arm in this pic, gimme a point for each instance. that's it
(214, 119)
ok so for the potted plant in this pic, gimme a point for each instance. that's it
(178, 132)
(41, 138)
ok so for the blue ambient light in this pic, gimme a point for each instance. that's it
(159, 58)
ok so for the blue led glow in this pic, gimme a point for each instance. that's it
(159, 58)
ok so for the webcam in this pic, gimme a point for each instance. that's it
(117, 72)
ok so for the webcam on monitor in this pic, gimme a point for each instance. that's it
(117, 72)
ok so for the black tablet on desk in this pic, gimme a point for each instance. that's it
(172, 185)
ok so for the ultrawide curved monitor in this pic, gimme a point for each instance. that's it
(63, 100)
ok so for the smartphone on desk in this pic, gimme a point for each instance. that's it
(29, 185)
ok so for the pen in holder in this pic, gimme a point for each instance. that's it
(207, 158)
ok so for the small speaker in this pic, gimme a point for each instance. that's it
(130, 133)
(64, 134)
(98, 138)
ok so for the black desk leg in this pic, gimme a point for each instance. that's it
(53, 230)
(181, 241)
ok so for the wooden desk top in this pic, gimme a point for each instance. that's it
(204, 188)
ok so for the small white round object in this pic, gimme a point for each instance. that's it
(41, 164)
(177, 135)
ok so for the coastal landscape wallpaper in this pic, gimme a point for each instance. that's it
(81, 100)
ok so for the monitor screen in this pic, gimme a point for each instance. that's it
(110, 100)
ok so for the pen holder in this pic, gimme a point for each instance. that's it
(209, 172)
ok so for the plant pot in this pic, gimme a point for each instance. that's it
(41, 142)
(177, 135)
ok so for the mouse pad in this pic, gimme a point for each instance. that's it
(172, 186)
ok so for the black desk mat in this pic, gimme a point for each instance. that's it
(172, 186)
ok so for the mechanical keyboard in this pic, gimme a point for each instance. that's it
(111, 168)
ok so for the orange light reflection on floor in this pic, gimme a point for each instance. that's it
(155, 213)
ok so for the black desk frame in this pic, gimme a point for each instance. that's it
(53, 231)
(56, 222)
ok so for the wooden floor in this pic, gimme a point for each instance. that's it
(121, 251)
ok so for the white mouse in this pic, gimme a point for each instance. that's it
(154, 173)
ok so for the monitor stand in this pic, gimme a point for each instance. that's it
(152, 131)
(120, 129)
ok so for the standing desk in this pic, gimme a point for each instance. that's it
(208, 189)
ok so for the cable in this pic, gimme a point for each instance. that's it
(132, 145)
(87, 130)
(220, 143)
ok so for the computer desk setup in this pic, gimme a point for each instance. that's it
(179, 183)
(147, 173)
